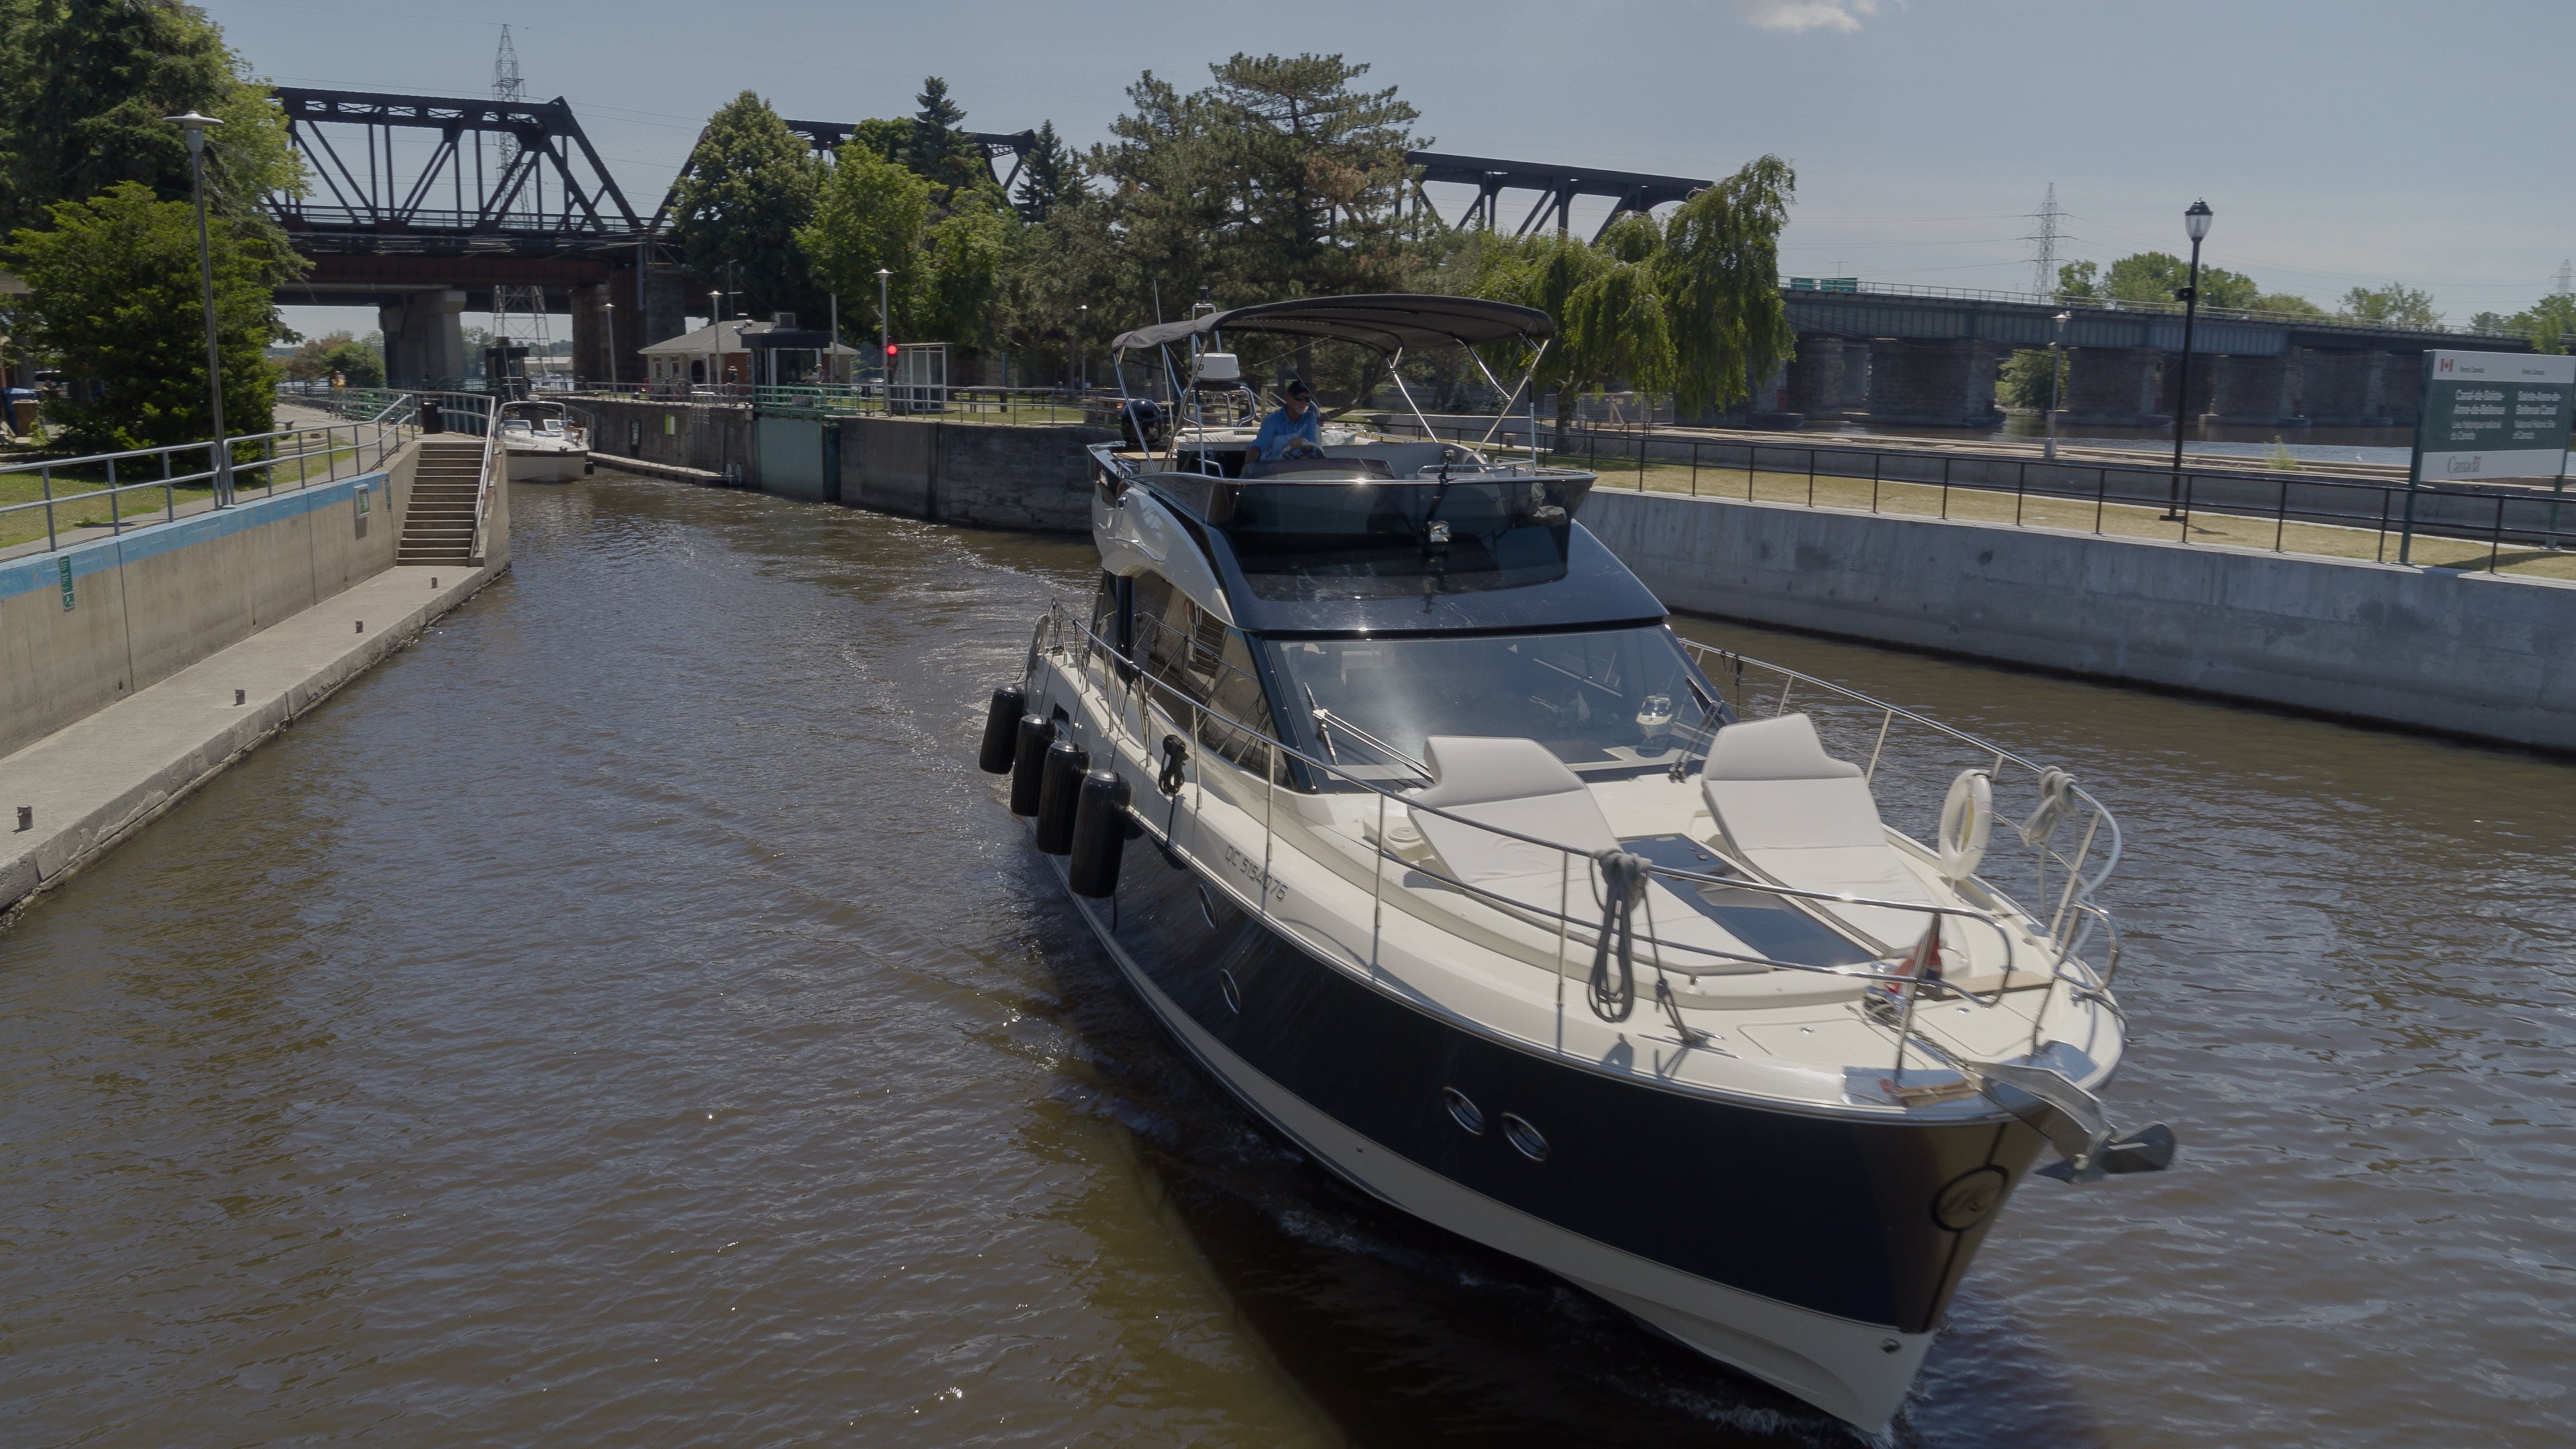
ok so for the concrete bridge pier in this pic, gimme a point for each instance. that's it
(1820, 378)
(2252, 392)
(2203, 379)
(594, 342)
(2357, 389)
(2114, 387)
(1934, 384)
(424, 338)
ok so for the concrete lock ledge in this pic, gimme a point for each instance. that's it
(2440, 650)
(95, 782)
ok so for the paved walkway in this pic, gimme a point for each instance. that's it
(92, 783)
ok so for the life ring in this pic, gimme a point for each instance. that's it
(1967, 817)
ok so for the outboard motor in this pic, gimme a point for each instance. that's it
(1141, 420)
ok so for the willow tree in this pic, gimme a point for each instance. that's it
(1691, 306)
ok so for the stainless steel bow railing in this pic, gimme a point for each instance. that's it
(1134, 689)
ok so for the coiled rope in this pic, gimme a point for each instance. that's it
(1623, 885)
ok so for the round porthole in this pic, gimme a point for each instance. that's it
(1207, 908)
(1970, 1198)
(1525, 1139)
(1233, 993)
(1466, 1113)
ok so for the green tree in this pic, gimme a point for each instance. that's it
(2152, 278)
(2079, 282)
(1693, 306)
(871, 213)
(1719, 273)
(935, 144)
(115, 302)
(84, 85)
(1048, 174)
(2026, 380)
(2546, 322)
(361, 364)
(1312, 176)
(2396, 305)
(749, 187)
(2290, 303)
(966, 251)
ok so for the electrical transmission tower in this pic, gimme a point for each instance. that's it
(2045, 238)
(519, 318)
(2566, 278)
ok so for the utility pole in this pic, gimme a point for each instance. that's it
(196, 125)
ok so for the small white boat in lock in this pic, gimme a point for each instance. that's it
(543, 443)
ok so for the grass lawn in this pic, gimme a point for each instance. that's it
(83, 502)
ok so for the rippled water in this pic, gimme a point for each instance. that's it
(627, 1017)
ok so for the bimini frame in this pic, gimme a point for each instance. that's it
(1387, 323)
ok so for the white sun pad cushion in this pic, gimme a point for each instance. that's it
(1805, 819)
(1518, 785)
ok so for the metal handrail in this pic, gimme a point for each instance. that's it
(1903, 986)
(2532, 516)
(219, 475)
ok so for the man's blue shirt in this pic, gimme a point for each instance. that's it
(1277, 432)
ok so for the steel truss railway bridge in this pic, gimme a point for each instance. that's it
(423, 205)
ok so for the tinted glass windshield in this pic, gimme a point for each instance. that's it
(1607, 702)
(1367, 540)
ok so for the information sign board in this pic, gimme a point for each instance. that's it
(2494, 415)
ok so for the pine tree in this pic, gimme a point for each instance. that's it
(1048, 174)
(938, 151)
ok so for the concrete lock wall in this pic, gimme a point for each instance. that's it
(163, 596)
(978, 474)
(2472, 654)
(1036, 479)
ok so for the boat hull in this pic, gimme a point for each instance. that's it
(545, 467)
(1812, 1250)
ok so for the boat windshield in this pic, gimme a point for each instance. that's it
(1368, 540)
(1610, 703)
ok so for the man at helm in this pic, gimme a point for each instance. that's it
(1292, 431)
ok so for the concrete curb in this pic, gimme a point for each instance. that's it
(297, 667)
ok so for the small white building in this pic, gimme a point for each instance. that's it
(776, 353)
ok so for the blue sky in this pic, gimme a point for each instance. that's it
(2340, 144)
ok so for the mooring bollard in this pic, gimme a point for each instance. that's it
(241, 696)
(26, 817)
(362, 627)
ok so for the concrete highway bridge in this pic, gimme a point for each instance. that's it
(426, 205)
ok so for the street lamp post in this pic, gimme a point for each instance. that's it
(2056, 370)
(885, 344)
(195, 125)
(2195, 223)
(1081, 378)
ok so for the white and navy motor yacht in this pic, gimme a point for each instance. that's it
(542, 442)
(1393, 795)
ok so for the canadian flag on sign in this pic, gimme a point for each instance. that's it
(1923, 962)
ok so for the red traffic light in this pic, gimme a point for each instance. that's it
(891, 349)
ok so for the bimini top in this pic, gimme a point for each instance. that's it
(1386, 321)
